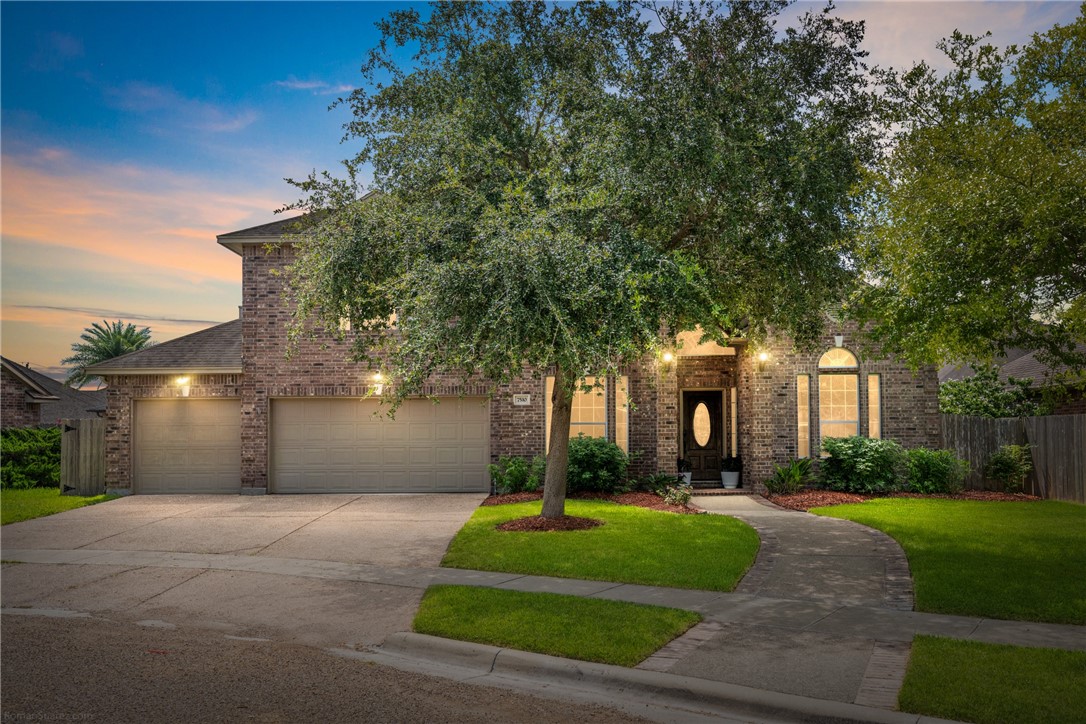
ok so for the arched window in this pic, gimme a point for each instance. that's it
(838, 394)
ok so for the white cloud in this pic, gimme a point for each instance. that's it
(316, 87)
(168, 107)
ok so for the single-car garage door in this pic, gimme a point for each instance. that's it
(340, 446)
(187, 446)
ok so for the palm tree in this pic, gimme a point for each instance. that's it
(102, 342)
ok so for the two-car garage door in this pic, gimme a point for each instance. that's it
(340, 445)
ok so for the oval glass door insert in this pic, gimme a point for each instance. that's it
(703, 427)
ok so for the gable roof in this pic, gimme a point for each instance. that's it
(263, 234)
(34, 388)
(60, 401)
(213, 350)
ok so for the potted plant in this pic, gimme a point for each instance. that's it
(685, 471)
(730, 469)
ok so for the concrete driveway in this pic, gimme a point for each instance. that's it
(395, 531)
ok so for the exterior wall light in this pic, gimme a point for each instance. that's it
(183, 384)
(763, 360)
(378, 383)
(839, 340)
(668, 358)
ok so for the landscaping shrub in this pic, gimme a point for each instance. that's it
(596, 466)
(790, 478)
(934, 471)
(31, 457)
(677, 494)
(1009, 467)
(518, 475)
(657, 483)
(861, 465)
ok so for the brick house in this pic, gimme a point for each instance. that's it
(225, 410)
(31, 399)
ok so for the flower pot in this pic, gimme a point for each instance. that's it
(687, 477)
(729, 480)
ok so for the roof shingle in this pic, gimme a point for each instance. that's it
(216, 349)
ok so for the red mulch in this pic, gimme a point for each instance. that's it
(817, 498)
(536, 523)
(569, 522)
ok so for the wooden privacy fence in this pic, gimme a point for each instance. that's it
(83, 457)
(1057, 444)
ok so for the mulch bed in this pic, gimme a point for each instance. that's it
(819, 498)
(537, 523)
(651, 501)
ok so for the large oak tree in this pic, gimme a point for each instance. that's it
(975, 223)
(565, 187)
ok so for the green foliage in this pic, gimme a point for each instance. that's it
(677, 494)
(634, 545)
(985, 395)
(861, 465)
(586, 629)
(658, 483)
(596, 465)
(556, 183)
(994, 683)
(1010, 466)
(30, 503)
(934, 471)
(790, 478)
(986, 559)
(103, 342)
(975, 220)
(730, 464)
(517, 475)
(31, 457)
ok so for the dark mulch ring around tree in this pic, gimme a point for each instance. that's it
(820, 498)
(537, 523)
(651, 501)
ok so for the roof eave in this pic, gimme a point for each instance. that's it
(175, 370)
(237, 244)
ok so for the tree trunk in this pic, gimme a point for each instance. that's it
(554, 489)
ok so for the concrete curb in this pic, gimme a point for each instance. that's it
(672, 692)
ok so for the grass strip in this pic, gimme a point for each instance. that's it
(587, 629)
(993, 683)
(1017, 561)
(635, 545)
(30, 503)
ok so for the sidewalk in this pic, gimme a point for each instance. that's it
(822, 620)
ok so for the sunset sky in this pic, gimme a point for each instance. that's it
(131, 134)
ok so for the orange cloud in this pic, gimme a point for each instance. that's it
(142, 217)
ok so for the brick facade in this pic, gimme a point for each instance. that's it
(766, 394)
(17, 409)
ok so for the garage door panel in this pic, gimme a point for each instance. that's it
(187, 446)
(423, 448)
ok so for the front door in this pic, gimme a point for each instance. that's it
(703, 433)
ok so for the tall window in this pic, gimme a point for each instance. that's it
(588, 415)
(803, 416)
(838, 394)
(874, 407)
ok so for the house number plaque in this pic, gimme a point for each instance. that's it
(522, 399)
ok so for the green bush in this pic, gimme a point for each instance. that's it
(518, 475)
(861, 465)
(790, 478)
(1009, 467)
(657, 483)
(934, 471)
(677, 494)
(31, 457)
(596, 466)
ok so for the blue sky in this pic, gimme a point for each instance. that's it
(133, 133)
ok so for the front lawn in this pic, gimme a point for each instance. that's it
(25, 504)
(635, 545)
(994, 684)
(1018, 561)
(588, 629)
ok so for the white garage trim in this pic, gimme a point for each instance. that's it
(338, 445)
(186, 446)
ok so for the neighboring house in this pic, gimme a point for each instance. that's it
(31, 399)
(1024, 364)
(225, 410)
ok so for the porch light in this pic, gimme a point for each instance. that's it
(763, 360)
(668, 358)
(378, 383)
(183, 384)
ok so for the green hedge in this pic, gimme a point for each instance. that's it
(31, 457)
